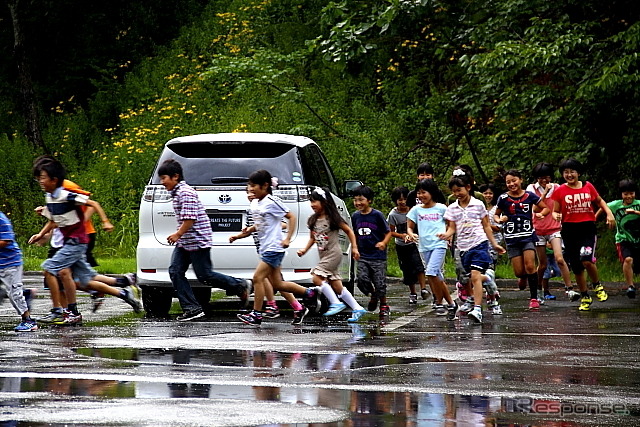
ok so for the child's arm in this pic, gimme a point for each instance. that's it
(410, 236)
(498, 217)
(395, 234)
(451, 230)
(611, 221)
(50, 225)
(246, 232)
(382, 245)
(292, 225)
(489, 233)
(184, 227)
(557, 215)
(106, 224)
(310, 243)
(352, 238)
(541, 210)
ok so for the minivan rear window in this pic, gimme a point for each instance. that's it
(232, 163)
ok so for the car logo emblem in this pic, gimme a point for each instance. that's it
(224, 199)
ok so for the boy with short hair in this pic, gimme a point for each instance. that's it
(627, 215)
(11, 274)
(573, 206)
(193, 241)
(372, 235)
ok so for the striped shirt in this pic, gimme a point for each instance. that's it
(187, 206)
(64, 207)
(10, 255)
(469, 230)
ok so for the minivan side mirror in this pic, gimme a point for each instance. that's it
(348, 187)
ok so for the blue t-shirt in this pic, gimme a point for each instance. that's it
(429, 222)
(370, 229)
(10, 255)
(519, 212)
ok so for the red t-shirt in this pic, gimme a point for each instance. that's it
(576, 204)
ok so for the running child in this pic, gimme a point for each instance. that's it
(627, 214)
(407, 250)
(325, 224)
(468, 221)
(373, 236)
(573, 206)
(490, 196)
(427, 219)
(518, 207)
(548, 232)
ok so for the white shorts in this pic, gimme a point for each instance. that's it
(543, 240)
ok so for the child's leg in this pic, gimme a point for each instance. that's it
(345, 295)
(478, 290)
(556, 245)
(54, 290)
(627, 270)
(380, 281)
(592, 271)
(543, 261)
(12, 280)
(529, 259)
(262, 272)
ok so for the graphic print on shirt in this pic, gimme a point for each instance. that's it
(519, 211)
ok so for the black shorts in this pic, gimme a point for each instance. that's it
(629, 250)
(410, 263)
(579, 244)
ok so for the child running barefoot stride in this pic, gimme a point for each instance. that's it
(518, 206)
(469, 221)
(325, 223)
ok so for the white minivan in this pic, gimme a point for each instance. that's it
(218, 166)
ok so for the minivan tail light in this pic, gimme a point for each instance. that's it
(292, 193)
(155, 194)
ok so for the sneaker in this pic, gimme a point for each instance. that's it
(70, 319)
(549, 296)
(441, 310)
(385, 312)
(271, 312)
(132, 279)
(540, 301)
(496, 310)
(26, 326)
(252, 318)
(413, 299)
(52, 317)
(451, 311)
(522, 283)
(467, 306)
(424, 294)
(373, 304)
(462, 292)
(311, 298)
(601, 294)
(190, 315)
(631, 292)
(129, 298)
(96, 302)
(573, 295)
(298, 315)
(356, 315)
(585, 303)
(334, 309)
(244, 294)
(476, 315)
(534, 304)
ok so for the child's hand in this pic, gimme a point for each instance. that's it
(173, 238)
(355, 253)
(632, 211)
(443, 236)
(381, 246)
(539, 215)
(233, 239)
(502, 219)
(611, 221)
(500, 249)
(39, 210)
(301, 252)
(410, 239)
(286, 243)
(557, 216)
(107, 226)
(34, 239)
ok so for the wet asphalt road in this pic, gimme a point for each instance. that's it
(556, 366)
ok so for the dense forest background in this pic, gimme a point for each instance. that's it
(381, 85)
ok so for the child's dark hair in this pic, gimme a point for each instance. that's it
(171, 167)
(431, 187)
(512, 172)
(363, 191)
(494, 190)
(322, 195)
(627, 185)
(398, 192)
(571, 164)
(542, 169)
(261, 177)
(51, 166)
(459, 179)
(425, 168)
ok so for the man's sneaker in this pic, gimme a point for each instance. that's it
(476, 315)
(373, 304)
(585, 303)
(549, 296)
(451, 311)
(356, 315)
(190, 315)
(572, 295)
(271, 312)
(413, 299)
(496, 310)
(467, 306)
(252, 318)
(27, 326)
(244, 294)
(96, 302)
(441, 310)
(601, 294)
(298, 315)
(334, 309)
(70, 319)
(385, 312)
(631, 292)
(129, 298)
(423, 294)
(52, 317)
(534, 304)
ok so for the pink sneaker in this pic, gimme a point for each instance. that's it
(534, 304)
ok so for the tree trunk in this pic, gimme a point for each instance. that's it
(28, 97)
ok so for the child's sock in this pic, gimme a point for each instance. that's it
(350, 300)
(532, 279)
(328, 292)
(272, 304)
(295, 305)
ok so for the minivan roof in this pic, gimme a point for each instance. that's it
(295, 140)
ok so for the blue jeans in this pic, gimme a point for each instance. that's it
(202, 266)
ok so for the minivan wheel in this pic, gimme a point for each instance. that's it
(157, 301)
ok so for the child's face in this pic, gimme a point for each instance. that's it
(514, 183)
(316, 206)
(361, 203)
(488, 195)
(169, 181)
(571, 176)
(47, 184)
(461, 193)
(259, 191)
(401, 202)
(424, 175)
(628, 197)
(424, 196)
(543, 180)
(250, 194)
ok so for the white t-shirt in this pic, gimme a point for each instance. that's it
(267, 216)
(469, 230)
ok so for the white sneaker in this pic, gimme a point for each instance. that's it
(476, 315)
(496, 310)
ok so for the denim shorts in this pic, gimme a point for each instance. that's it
(433, 261)
(274, 259)
(517, 249)
(476, 258)
(71, 255)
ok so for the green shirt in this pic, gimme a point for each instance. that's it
(627, 224)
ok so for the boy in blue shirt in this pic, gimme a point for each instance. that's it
(373, 235)
(11, 274)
